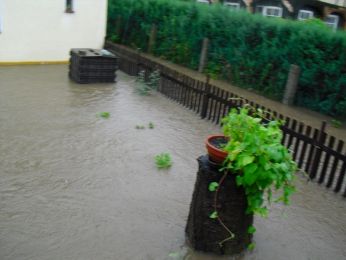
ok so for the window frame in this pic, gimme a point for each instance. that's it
(232, 6)
(334, 25)
(266, 8)
(303, 11)
(69, 6)
(203, 1)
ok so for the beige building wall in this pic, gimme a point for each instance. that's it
(42, 30)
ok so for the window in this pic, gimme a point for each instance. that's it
(69, 6)
(272, 11)
(259, 9)
(305, 14)
(233, 6)
(203, 1)
(332, 21)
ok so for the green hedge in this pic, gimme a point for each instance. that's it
(249, 50)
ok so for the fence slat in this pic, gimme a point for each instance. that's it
(318, 152)
(305, 144)
(335, 164)
(326, 160)
(341, 177)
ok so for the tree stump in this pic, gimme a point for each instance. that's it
(205, 234)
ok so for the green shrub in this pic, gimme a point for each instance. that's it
(249, 50)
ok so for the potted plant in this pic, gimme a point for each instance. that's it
(252, 164)
(215, 145)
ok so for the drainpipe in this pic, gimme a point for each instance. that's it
(249, 6)
(288, 5)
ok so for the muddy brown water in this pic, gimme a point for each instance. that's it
(77, 186)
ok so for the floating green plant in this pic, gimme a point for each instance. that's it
(163, 161)
(104, 114)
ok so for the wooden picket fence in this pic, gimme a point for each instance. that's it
(320, 155)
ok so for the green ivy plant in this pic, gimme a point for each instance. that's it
(336, 123)
(140, 127)
(151, 125)
(145, 86)
(258, 159)
(104, 114)
(163, 161)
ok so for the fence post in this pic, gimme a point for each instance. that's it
(203, 57)
(118, 27)
(152, 38)
(317, 150)
(291, 85)
(138, 61)
(205, 100)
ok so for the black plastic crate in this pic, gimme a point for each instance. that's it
(90, 66)
(92, 72)
(91, 79)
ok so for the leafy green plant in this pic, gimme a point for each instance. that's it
(104, 114)
(336, 123)
(140, 127)
(258, 159)
(141, 87)
(154, 79)
(151, 125)
(144, 87)
(163, 161)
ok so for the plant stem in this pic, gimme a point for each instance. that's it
(218, 217)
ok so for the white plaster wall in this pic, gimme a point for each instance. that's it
(40, 30)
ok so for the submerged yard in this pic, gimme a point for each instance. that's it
(75, 185)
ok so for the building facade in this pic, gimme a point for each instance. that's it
(333, 12)
(45, 30)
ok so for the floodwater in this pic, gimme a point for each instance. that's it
(77, 186)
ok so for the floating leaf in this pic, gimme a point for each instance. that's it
(163, 161)
(105, 114)
(213, 186)
(151, 125)
(140, 127)
(174, 255)
(213, 215)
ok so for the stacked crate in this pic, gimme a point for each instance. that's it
(92, 66)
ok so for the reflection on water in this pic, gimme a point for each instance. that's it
(76, 186)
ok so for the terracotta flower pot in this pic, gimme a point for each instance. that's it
(215, 153)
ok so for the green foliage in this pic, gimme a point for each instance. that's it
(251, 246)
(140, 127)
(213, 186)
(249, 50)
(141, 86)
(163, 161)
(336, 123)
(151, 125)
(251, 230)
(257, 157)
(144, 87)
(213, 215)
(175, 255)
(154, 79)
(318, 23)
(104, 114)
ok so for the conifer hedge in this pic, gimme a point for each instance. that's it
(249, 50)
